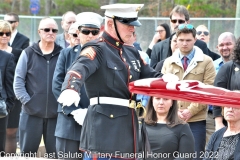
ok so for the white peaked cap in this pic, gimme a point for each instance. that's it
(89, 19)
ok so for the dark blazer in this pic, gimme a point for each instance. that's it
(162, 50)
(20, 41)
(213, 55)
(227, 78)
(7, 68)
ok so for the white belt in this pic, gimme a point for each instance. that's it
(109, 100)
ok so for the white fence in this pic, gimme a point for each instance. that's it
(29, 24)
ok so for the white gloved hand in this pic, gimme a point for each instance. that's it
(169, 77)
(68, 97)
(79, 115)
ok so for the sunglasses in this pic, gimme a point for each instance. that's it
(74, 35)
(87, 32)
(182, 26)
(7, 34)
(49, 29)
(11, 22)
(204, 32)
(180, 21)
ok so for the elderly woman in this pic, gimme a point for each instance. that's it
(169, 136)
(224, 144)
(13, 118)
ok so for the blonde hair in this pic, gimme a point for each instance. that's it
(5, 26)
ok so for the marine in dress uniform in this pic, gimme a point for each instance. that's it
(67, 129)
(106, 66)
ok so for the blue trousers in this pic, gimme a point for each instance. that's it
(199, 133)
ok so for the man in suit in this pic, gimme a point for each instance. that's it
(18, 40)
(67, 19)
(162, 50)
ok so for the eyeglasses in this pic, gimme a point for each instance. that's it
(206, 33)
(188, 26)
(87, 32)
(74, 35)
(11, 22)
(180, 21)
(6, 33)
(49, 29)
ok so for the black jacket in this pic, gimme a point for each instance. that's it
(162, 50)
(20, 41)
(7, 67)
(228, 77)
(33, 81)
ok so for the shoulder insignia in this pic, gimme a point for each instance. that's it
(88, 52)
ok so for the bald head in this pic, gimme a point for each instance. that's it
(46, 21)
(226, 35)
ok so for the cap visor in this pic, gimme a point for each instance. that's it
(89, 26)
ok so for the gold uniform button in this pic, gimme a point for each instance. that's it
(130, 76)
(111, 116)
(129, 67)
(72, 86)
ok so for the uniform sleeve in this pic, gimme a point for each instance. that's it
(19, 79)
(186, 141)
(8, 81)
(208, 79)
(59, 74)
(88, 62)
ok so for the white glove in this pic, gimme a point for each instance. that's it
(169, 77)
(68, 97)
(79, 115)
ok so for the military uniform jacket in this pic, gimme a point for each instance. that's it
(107, 66)
(66, 126)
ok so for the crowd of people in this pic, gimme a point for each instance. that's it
(71, 88)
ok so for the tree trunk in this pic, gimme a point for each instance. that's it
(47, 7)
(21, 6)
(13, 5)
(237, 22)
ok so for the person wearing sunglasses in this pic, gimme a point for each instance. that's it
(73, 35)
(188, 62)
(179, 15)
(204, 35)
(106, 66)
(33, 87)
(68, 129)
(13, 118)
(62, 39)
(18, 40)
(6, 83)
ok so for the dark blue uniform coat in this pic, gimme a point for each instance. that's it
(67, 127)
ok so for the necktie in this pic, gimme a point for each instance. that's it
(185, 64)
